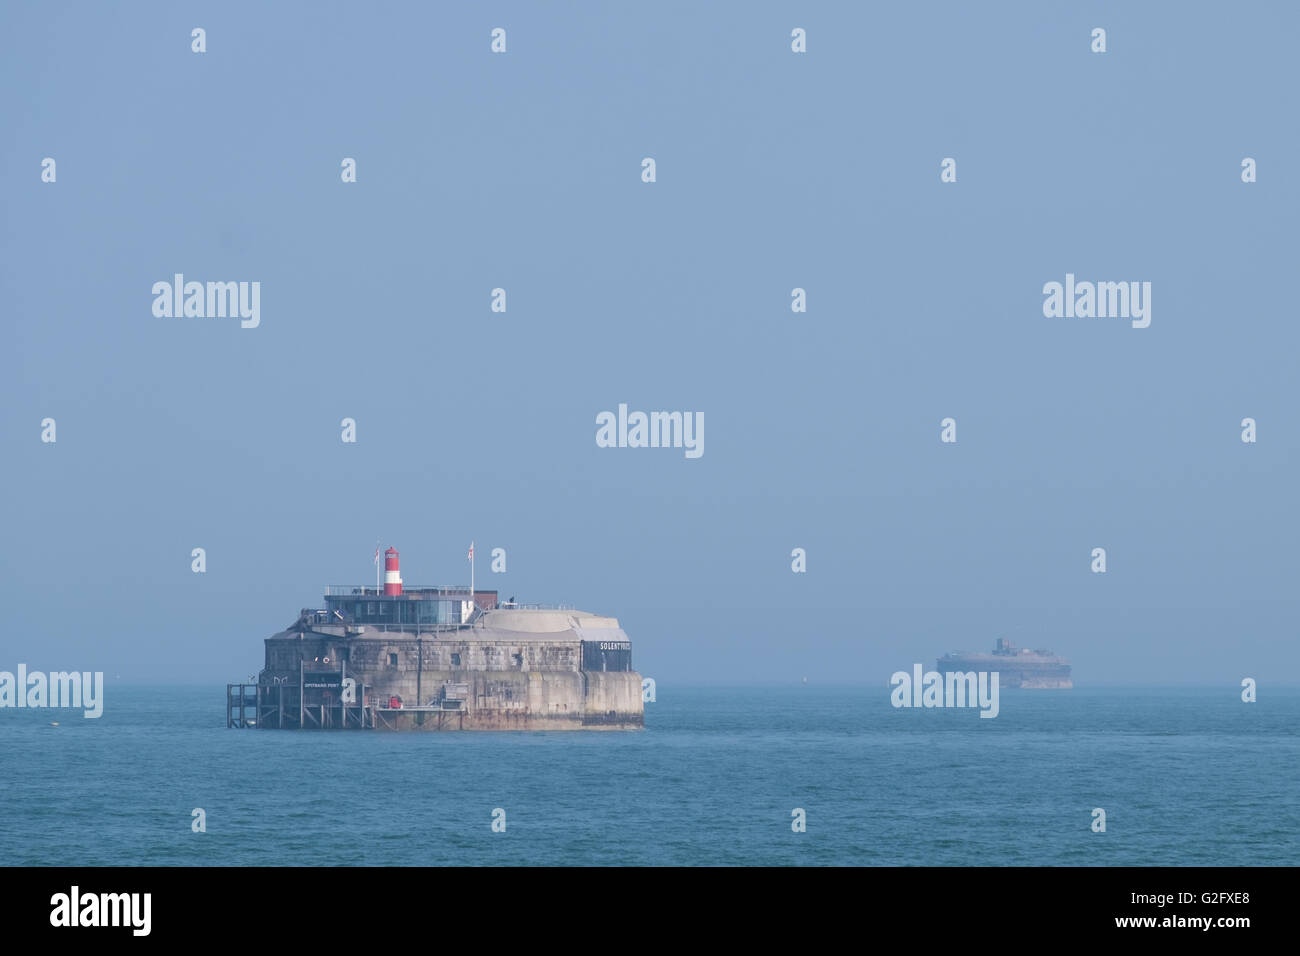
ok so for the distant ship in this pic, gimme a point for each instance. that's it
(1016, 666)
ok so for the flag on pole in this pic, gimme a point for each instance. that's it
(473, 604)
(376, 554)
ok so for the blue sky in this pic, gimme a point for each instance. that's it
(774, 171)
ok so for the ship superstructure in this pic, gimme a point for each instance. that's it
(1017, 666)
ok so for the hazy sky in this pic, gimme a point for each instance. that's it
(775, 170)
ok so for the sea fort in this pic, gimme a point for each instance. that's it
(446, 657)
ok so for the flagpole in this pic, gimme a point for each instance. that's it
(472, 602)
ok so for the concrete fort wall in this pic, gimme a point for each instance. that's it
(532, 684)
(375, 656)
(610, 695)
(504, 700)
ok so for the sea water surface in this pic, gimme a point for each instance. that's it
(1186, 776)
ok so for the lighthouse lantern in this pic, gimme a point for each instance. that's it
(392, 577)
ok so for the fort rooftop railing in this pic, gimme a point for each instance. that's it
(369, 590)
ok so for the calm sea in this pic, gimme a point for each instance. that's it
(1186, 776)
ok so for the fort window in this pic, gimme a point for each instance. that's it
(519, 659)
(455, 660)
(392, 660)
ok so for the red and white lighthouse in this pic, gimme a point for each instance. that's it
(392, 577)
